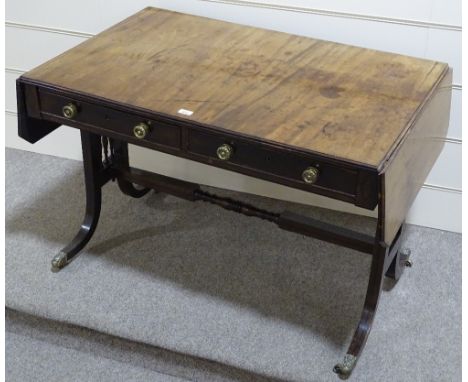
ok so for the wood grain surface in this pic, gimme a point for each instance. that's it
(412, 161)
(344, 102)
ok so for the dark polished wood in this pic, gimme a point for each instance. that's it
(380, 259)
(121, 160)
(327, 232)
(179, 188)
(95, 176)
(356, 125)
(368, 313)
(31, 126)
(91, 112)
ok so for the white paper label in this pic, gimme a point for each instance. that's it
(185, 112)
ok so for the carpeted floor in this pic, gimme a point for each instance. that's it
(47, 350)
(200, 281)
(32, 359)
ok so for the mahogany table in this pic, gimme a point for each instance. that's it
(358, 125)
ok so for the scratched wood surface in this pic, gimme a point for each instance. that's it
(411, 162)
(345, 102)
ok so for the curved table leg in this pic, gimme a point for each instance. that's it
(374, 288)
(121, 161)
(91, 146)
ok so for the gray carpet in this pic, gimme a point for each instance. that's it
(32, 360)
(198, 280)
(45, 350)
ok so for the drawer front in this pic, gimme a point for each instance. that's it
(258, 159)
(109, 119)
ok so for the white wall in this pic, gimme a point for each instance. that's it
(39, 30)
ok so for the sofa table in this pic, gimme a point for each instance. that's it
(352, 124)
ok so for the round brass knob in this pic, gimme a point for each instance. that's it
(310, 175)
(224, 152)
(69, 111)
(141, 130)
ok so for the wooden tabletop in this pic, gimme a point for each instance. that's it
(345, 102)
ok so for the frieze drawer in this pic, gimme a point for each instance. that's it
(139, 128)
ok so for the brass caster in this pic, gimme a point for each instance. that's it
(345, 368)
(59, 261)
(405, 254)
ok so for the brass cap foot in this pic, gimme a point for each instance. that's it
(405, 254)
(59, 261)
(345, 368)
